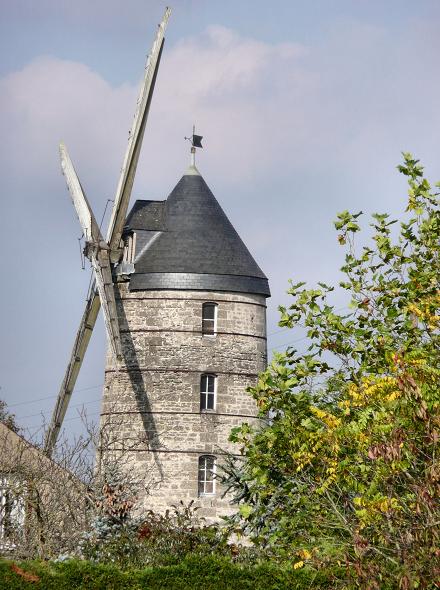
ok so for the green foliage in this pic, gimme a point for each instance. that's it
(113, 536)
(156, 539)
(167, 538)
(192, 573)
(346, 469)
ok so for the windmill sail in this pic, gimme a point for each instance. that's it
(96, 250)
(91, 231)
(82, 339)
(103, 270)
(128, 171)
(104, 282)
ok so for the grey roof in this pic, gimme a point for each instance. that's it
(187, 242)
(146, 215)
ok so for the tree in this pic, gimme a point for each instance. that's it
(7, 418)
(345, 469)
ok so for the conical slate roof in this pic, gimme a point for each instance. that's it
(187, 242)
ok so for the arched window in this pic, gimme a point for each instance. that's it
(206, 475)
(208, 392)
(209, 319)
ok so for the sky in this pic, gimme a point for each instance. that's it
(305, 108)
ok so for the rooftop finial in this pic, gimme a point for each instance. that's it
(196, 142)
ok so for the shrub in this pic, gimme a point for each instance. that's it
(192, 573)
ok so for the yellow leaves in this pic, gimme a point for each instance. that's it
(416, 362)
(387, 504)
(345, 406)
(372, 389)
(434, 322)
(330, 475)
(369, 511)
(425, 311)
(412, 308)
(303, 456)
(305, 554)
(302, 459)
(318, 446)
(381, 387)
(329, 419)
(333, 464)
(362, 437)
(319, 413)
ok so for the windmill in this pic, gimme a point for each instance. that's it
(101, 252)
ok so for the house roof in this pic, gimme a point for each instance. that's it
(187, 242)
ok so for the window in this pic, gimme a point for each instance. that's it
(208, 390)
(129, 241)
(11, 512)
(209, 319)
(206, 475)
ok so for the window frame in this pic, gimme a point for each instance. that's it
(129, 247)
(214, 332)
(12, 511)
(204, 394)
(203, 482)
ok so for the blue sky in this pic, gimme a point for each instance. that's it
(305, 108)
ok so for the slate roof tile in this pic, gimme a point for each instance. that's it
(195, 238)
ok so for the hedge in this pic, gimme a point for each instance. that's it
(194, 573)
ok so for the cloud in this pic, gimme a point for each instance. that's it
(312, 123)
(50, 100)
(292, 134)
(219, 79)
(264, 108)
(222, 64)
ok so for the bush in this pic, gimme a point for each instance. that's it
(166, 539)
(157, 539)
(208, 573)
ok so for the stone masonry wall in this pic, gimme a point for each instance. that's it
(151, 418)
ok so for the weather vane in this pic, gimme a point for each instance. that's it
(196, 142)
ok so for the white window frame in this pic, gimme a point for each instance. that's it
(12, 511)
(203, 482)
(129, 247)
(214, 333)
(204, 394)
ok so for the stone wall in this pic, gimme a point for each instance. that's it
(151, 417)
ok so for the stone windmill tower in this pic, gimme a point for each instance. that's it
(184, 304)
(191, 303)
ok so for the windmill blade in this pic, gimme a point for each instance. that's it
(76, 358)
(96, 250)
(86, 218)
(104, 282)
(128, 171)
(102, 290)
